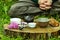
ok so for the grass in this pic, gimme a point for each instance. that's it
(4, 18)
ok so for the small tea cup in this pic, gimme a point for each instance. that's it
(32, 25)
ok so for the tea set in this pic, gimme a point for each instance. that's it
(17, 23)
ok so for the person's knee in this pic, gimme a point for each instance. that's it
(17, 11)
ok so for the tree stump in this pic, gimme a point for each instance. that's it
(32, 33)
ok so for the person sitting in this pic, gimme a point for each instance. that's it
(33, 7)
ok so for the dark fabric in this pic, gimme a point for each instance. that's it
(36, 1)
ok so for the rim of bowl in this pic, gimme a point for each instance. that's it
(41, 20)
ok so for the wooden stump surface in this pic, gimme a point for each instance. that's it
(34, 30)
(33, 33)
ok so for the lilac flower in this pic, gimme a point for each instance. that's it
(13, 25)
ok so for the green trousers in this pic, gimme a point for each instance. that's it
(27, 7)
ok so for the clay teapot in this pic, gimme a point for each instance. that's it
(29, 18)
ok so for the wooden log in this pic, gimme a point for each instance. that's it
(31, 33)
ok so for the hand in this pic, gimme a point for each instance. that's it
(45, 4)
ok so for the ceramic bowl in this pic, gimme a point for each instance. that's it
(16, 20)
(43, 22)
(32, 25)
